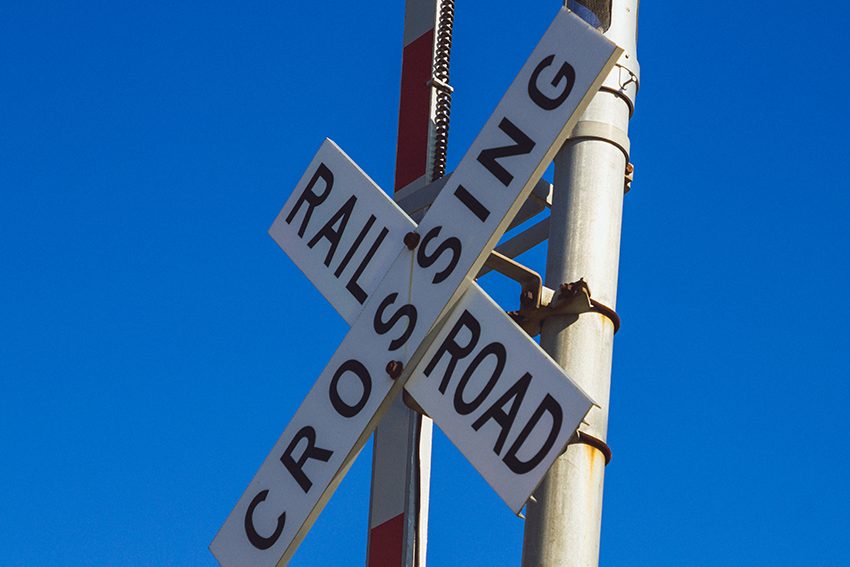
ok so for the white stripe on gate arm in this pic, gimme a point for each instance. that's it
(489, 185)
(419, 17)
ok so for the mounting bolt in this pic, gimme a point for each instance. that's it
(527, 296)
(570, 289)
(411, 240)
(394, 369)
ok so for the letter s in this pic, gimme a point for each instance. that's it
(451, 244)
(383, 327)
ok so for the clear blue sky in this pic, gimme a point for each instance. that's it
(155, 341)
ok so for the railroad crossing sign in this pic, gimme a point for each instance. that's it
(418, 321)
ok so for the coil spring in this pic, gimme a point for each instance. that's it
(443, 107)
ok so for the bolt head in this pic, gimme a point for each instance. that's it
(394, 369)
(411, 240)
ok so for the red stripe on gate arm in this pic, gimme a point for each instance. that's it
(414, 110)
(385, 543)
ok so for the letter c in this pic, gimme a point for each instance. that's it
(256, 539)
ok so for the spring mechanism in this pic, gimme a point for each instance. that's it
(440, 83)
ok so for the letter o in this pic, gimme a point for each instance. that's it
(462, 406)
(355, 367)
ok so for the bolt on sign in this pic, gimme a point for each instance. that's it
(418, 320)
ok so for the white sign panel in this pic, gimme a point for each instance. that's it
(496, 349)
(395, 325)
(308, 461)
(340, 230)
(505, 404)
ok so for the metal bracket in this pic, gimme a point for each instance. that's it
(411, 403)
(532, 296)
(525, 240)
(415, 201)
(630, 176)
(440, 85)
(571, 299)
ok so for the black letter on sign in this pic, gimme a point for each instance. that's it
(296, 468)
(523, 145)
(471, 203)
(313, 200)
(352, 286)
(355, 367)
(330, 233)
(256, 539)
(565, 72)
(497, 350)
(547, 405)
(427, 260)
(357, 242)
(456, 351)
(504, 418)
(383, 327)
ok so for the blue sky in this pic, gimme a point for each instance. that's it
(155, 341)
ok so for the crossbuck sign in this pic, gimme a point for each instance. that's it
(418, 320)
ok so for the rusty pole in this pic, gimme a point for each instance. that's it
(563, 525)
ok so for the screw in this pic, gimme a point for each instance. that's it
(527, 296)
(394, 369)
(411, 240)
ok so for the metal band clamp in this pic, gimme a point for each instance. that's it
(592, 130)
(570, 299)
(584, 439)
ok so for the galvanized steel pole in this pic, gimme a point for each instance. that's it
(563, 527)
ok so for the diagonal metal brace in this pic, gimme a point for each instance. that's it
(570, 299)
(532, 296)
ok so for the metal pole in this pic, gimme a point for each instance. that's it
(563, 526)
(401, 458)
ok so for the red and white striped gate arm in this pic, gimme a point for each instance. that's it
(423, 113)
(401, 462)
